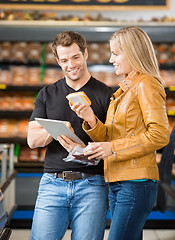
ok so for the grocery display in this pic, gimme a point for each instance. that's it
(52, 15)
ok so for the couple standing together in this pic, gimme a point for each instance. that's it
(126, 126)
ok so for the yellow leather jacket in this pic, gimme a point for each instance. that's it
(137, 126)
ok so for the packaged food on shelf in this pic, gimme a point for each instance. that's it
(19, 52)
(17, 102)
(93, 53)
(164, 58)
(8, 128)
(27, 154)
(6, 102)
(6, 51)
(163, 47)
(170, 104)
(171, 124)
(52, 75)
(172, 48)
(108, 77)
(34, 52)
(5, 77)
(94, 57)
(105, 56)
(19, 74)
(28, 102)
(42, 154)
(93, 46)
(98, 75)
(169, 77)
(49, 56)
(22, 128)
(155, 45)
(34, 76)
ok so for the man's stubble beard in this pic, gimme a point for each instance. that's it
(80, 75)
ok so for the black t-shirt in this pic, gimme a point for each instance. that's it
(51, 103)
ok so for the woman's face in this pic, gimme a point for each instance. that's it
(118, 60)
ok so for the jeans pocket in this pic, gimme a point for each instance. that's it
(151, 195)
(96, 180)
(46, 179)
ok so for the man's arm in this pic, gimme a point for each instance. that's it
(37, 135)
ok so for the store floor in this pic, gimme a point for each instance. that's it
(22, 234)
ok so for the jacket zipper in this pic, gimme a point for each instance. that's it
(110, 141)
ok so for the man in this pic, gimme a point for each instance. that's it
(70, 193)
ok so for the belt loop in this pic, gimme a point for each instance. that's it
(55, 175)
(83, 176)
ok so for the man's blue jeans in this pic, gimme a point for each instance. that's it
(81, 203)
(130, 204)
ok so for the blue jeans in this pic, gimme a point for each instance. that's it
(130, 204)
(81, 203)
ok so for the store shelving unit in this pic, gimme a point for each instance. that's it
(92, 31)
(45, 31)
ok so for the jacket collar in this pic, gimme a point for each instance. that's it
(125, 85)
(129, 81)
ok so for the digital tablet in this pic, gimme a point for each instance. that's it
(57, 128)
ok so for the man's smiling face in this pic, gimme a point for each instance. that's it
(72, 61)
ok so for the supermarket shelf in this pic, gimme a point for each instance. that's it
(170, 90)
(15, 114)
(14, 140)
(28, 164)
(92, 31)
(4, 87)
(30, 168)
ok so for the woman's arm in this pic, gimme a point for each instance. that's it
(99, 150)
(91, 122)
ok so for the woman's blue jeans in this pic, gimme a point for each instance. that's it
(81, 203)
(130, 204)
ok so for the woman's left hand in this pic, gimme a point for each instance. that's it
(99, 150)
(67, 143)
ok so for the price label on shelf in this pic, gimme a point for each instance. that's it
(3, 86)
(172, 88)
(171, 112)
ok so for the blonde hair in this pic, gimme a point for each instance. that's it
(138, 50)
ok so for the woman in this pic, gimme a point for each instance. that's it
(136, 126)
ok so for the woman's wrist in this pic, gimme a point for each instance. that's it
(93, 122)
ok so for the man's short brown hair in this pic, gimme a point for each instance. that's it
(66, 39)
